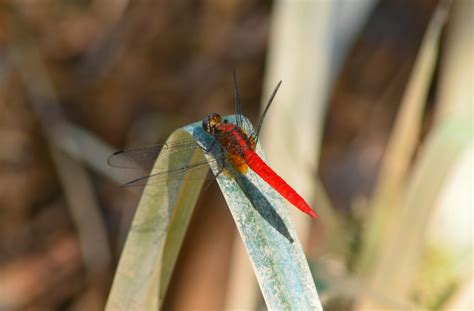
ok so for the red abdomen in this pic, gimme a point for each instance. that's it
(276, 182)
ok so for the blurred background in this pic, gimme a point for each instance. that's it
(373, 124)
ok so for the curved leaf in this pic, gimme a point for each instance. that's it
(261, 217)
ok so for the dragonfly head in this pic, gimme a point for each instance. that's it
(211, 122)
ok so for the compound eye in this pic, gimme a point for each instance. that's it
(225, 121)
(207, 125)
(211, 122)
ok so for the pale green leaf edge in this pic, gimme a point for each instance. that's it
(162, 218)
(154, 239)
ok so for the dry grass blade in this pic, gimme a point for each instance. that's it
(398, 262)
(401, 146)
(400, 251)
(74, 179)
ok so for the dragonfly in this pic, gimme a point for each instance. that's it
(235, 144)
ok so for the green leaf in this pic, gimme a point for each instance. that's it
(155, 237)
(163, 216)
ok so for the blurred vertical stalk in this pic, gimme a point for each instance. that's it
(456, 106)
(397, 262)
(302, 52)
(299, 55)
(242, 291)
(78, 190)
(307, 44)
(401, 146)
(456, 95)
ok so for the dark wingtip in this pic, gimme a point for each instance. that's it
(109, 159)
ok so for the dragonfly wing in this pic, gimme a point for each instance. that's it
(238, 106)
(248, 127)
(193, 170)
(144, 157)
(176, 161)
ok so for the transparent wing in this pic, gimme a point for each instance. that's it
(173, 175)
(180, 152)
(240, 120)
(144, 157)
(238, 106)
(248, 128)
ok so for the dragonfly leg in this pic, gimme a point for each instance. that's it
(210, 147)
(221, 164)
(221, 167)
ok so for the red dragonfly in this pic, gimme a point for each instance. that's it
(235, 144)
